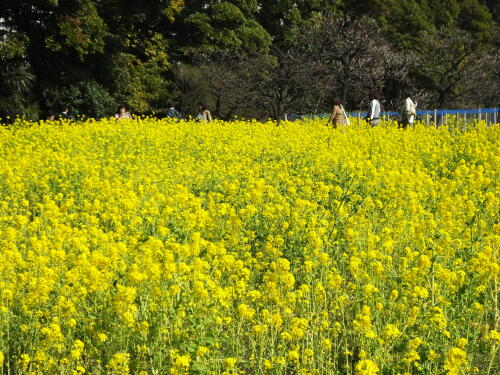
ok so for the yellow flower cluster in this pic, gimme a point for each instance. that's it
(157, 247)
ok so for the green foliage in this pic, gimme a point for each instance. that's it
(86, 98)
(248, 7)
(449, 61)
(138, 84)
(83, 32)
(15, 83)
(443, 13)
(12, 45)
(129, 48)
(192, 88)
(406, 20)
(225, 26)
(475, 18)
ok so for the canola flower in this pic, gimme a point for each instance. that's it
(154, 247)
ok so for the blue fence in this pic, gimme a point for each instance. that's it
(436, 116)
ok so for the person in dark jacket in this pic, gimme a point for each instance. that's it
(64, 115)
(174, 113)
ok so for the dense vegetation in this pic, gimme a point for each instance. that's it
(151, 247)
(243, 57)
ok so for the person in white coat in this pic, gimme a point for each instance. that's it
(375, 109)
(410, 110)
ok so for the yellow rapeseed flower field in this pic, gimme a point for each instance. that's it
(154, 247)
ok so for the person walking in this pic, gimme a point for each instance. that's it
(375, 109)
(204, 114)
(338, 116)
(410, 108)
(122, 113)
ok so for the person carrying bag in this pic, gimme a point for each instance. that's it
(338, 116)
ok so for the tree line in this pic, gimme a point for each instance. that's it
(245, 58)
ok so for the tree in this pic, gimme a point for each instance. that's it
(351, 64)
(278, 83)
(15, 83)
(212, 26)
(16, 78)
(450, 65)
(121, 45)
(87, 98)
(228, 83)
(191, 88)
(329, 56)
(476, 19)
(264, 86)
(284, 18)
(144, 53)
(481, 86)
(405, 21)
